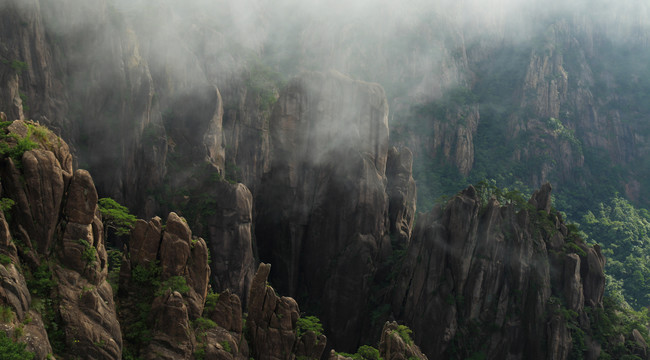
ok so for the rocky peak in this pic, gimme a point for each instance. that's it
(273, 322)
(396, 343)
(55, 236)
(541, 199)
(510, 265)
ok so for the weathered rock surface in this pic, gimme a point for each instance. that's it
(393, 346)
(493, 276)
(16, 299)
(272, 323)
(230, 232)
(171, 336)
(324, 203)
(167, 270)
(60, 246)
(30, 88)
(401, 193)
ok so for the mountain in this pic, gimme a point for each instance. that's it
(254, 132)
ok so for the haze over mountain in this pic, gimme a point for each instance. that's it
(306, 135)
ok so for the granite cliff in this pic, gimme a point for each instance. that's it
(499, 279)
(304, 174)
(55, 294)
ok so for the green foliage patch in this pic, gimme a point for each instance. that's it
(45, 300)
(309, 323)
(40, 282)
(13, 350)
(405, 333)
(174, 283)
(6, 204)
(210, 301)
(488, 189)
(116, 216)
(89, 253)
(613, 320)
(263, 83)
(623, 232)
(203, 324)
(114, 265)
(226, 346)
(22, 144)
(7, 314)
(365, 352)
(4, 259)
(146, 275)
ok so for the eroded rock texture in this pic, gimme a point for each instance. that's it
(272, 323)
(60, 247)
(396, 346)
(323, 208)
(163, 288)
(489, 277)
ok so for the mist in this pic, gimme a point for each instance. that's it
(418, 51)
(416, 46)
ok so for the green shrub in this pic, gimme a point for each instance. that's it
(11, 350)
(199, 353)
(6, 204)
(114, 265)
(4, 259)
(571, 247)
(22, 144)
(203, 324)
(116, 216)
(364, 352)
(148, 275)
(226, 346)
(309, 323)
(40, 281)
(7, 315)
(405, 333)
(18, 66)
(211, 301)
(89, 253)
(174, 283)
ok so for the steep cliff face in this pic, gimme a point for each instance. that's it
(107, 79)
(28, 66)
(167, 126)
(558, 103)
(483, 277)
(324, 203)
(54, 293)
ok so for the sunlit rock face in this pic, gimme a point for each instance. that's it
(323, 208)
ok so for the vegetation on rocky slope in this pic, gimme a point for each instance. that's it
(565, 101)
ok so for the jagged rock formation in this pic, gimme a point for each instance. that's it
(27, 66)
(18, 320)
(395, 346)
(324, 203)
(230, 230)
(497, 279)
(272, 324)
(401, 192)
(163, 287)
(60, 249)
(505, 279)
(167, 127)
(105, 78)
